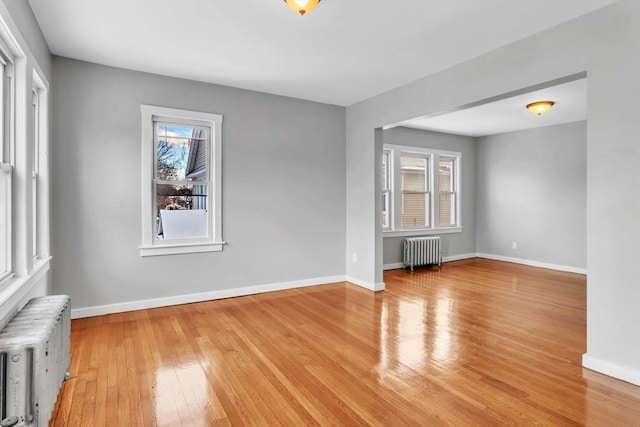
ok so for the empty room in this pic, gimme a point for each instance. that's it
(319, 212)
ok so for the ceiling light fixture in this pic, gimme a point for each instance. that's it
(302, 6)
(540, 107)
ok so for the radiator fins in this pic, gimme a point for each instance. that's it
(34, 361)
(422, 251)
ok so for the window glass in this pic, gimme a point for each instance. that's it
(181, 162)
(182, 185)
(385, 189)
(6, 169)
(414, 173)
(34, 173)
(446, 174)
(5, 194)
(385, 170)
(415, 198)
(420, 190)
(181, 152)
(447, 196)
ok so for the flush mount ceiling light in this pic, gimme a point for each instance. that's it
(302, 6)
(540, 107)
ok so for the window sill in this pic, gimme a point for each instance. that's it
(13, 285)
(421, 232)
(181, 248)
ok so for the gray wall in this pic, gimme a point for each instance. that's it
(29, 29)
(283, 187)
(531, 188)
(454, 243)
(605, 44)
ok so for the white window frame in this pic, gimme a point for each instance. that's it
(35, 214)
(399, 201)
(433, 157)
(7, 157)
(6, 172)
(454, 191)
(16, 166)
(40, 169)
(388, 191)
(152, 246)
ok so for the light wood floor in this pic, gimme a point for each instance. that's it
(477, 342)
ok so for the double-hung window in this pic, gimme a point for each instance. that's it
(34, 172)
(6, 169)
(181, 181)
(416, 190)
(420, 190)
(386, 189)
(448, 191)
(39, 171)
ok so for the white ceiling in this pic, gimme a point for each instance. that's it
(510, 114)
(341, 53)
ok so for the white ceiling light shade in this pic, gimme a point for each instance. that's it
(540, 107)
(302, 6)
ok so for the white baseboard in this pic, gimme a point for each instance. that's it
(249, 290)
(546, 265)
(611, 369)
(396, 265)
(367, 285)
(393, 266)
(539, 264)
(100, 310)
(459, 257)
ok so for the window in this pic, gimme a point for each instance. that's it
(24, 207)
(416, 191)
(447, 195)
(386, 189)
(39, 171)
(421, 186)
(7, 112)
(34, 173)
(5, 220)
(181, 181)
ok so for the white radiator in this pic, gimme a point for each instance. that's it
(34, 361)
(422, 251)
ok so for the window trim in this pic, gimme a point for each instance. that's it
(34, 172)
(433, 156)
(388, 187)
(455, 193)
(7, 171)
(8, 112)
(428, 190)
(40, 168)
(150, 246)
(16, 153)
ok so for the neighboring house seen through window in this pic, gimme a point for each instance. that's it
(420, 190)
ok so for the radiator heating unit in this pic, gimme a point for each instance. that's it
(34, 361)
(422, 251)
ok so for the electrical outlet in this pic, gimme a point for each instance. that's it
(514, 245)
(354, 257)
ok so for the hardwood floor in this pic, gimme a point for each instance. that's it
(477, 342)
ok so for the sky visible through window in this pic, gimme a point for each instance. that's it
(173, 142)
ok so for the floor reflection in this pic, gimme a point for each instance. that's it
(442, 342)
(422, 331)
(476, 342)
(181, 393)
